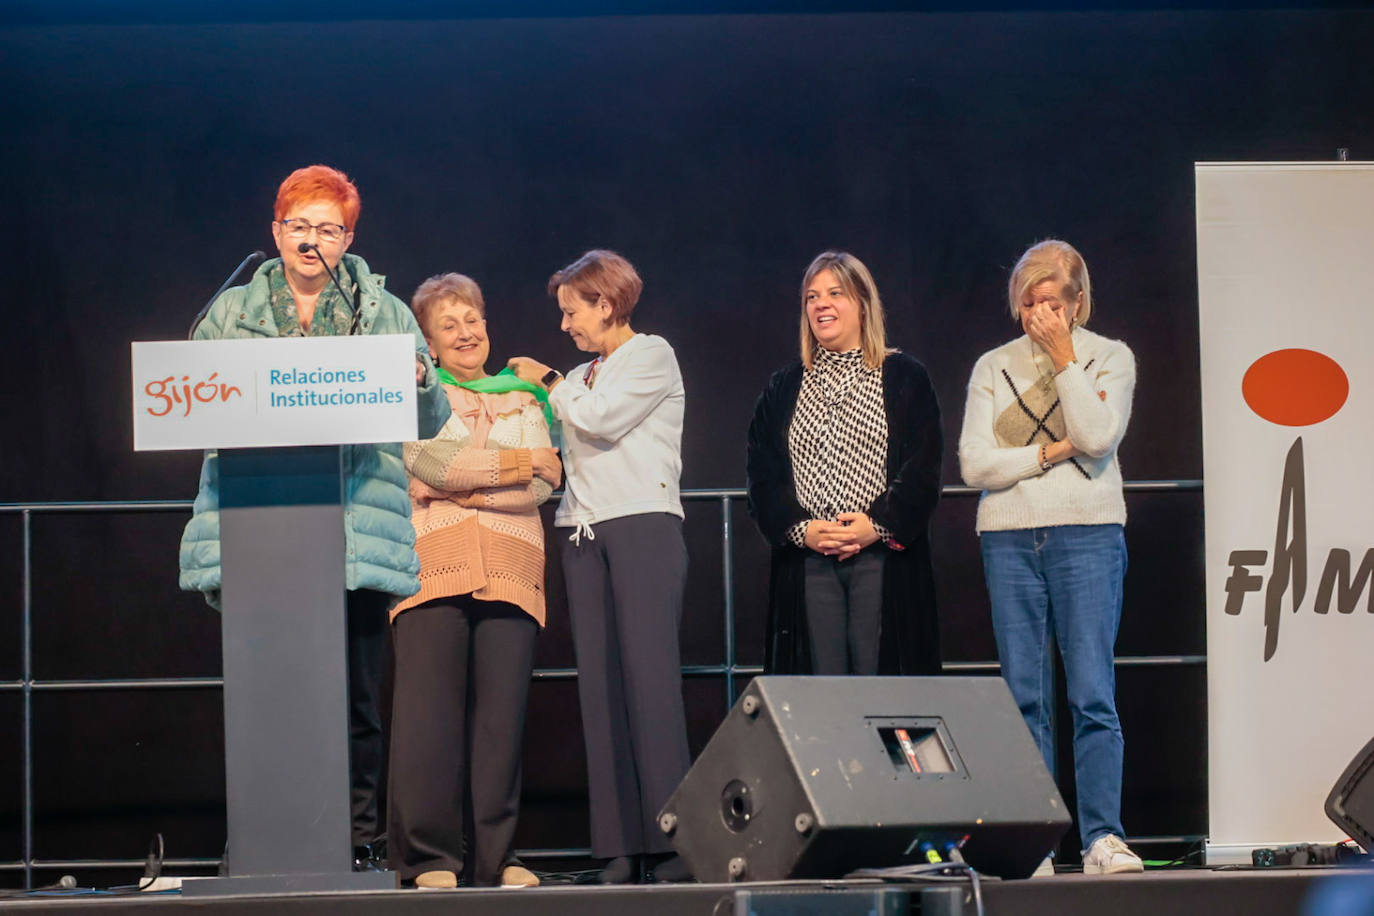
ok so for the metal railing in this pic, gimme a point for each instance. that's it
(729, 669)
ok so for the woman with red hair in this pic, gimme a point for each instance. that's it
(294, 296)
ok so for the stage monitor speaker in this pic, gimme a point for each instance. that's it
(1351, 802)
(814, 777)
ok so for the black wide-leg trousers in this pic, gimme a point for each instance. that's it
(457, 727)
(625, 581)
(365, 615)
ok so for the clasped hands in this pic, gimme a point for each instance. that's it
(842, 538)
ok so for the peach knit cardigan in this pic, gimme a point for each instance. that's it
(475, 503)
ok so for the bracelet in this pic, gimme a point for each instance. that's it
(1072, 362)
(1044, 460)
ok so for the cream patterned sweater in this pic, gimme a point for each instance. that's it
(1012, 389)
(475, 503)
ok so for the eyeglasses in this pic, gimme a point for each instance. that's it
(300, 228)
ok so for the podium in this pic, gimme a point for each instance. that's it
(278, 411)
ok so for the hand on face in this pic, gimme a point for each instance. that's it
(1046, 326)
(1047, 318)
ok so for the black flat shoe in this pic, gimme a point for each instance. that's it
(620, 870)
(671, 870)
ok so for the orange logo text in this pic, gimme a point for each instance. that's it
(168, 393)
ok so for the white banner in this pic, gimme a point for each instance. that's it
(274, 391)
(1286, 314)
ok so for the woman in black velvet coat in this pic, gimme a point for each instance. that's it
(842, 319)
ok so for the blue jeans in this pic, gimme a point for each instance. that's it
(1064, 582)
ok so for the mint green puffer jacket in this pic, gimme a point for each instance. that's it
(378, 535)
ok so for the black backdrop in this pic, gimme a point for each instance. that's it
(719, 153)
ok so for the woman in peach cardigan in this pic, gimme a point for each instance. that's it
(465, 642)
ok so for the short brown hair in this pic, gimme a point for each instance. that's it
(1056, 260)
(601, 273)
(442, 288)
(857, 283)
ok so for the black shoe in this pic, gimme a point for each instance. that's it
(670, 870)
(620, 870)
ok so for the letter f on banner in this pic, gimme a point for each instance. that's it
(1290, 547)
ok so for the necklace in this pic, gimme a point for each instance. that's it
(1044, 380)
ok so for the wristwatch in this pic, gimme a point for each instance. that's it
(550, 377)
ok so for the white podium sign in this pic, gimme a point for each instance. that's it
(273, 392)
(1284, 280)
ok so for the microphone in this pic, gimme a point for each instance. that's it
(253, 258)
(307, 247)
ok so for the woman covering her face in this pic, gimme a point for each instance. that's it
(624, 558)
(293, 295)
(465, 642)
(844, 473)
(1045, 415)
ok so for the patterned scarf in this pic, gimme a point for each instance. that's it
(332, 314)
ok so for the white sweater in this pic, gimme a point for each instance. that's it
(1016, 494)
(622, 437)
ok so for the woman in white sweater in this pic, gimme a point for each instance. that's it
(1045, 415)
(624, 559)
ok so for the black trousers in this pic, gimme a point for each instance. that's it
(366, 612)
(844, 611)
(625, 589)
(457, 727)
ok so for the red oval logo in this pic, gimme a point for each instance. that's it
(1295, 387)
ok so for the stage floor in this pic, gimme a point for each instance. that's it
(1155, 893)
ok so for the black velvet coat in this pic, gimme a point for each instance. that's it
(910, 641)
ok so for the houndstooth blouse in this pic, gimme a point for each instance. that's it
(838, 439)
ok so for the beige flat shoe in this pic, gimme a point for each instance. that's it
(436, 880)
(518, 876)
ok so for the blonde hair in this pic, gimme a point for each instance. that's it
(1056, 260)
(442, 288)
(858, 285)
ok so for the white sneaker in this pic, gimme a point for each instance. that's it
(1108, 855)
(1045, 869)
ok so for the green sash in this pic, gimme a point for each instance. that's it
(500, 383)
